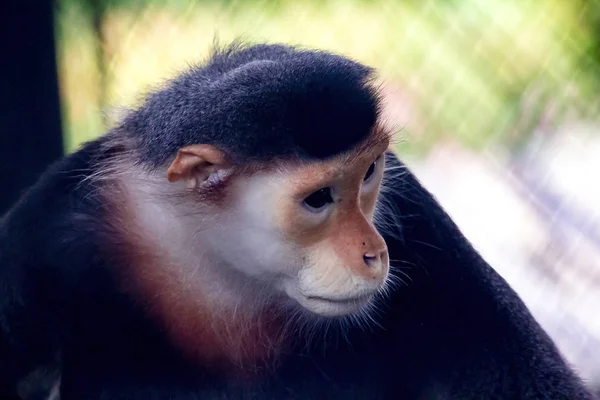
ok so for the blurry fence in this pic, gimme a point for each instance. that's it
(497, 103)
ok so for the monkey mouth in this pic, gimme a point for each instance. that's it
(336, 306)
(346, 300)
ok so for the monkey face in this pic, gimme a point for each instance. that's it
(307, 230)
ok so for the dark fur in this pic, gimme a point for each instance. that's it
(455, 331)
(258, 103)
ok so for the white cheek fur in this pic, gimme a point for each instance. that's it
(214, 252)
(253, 233)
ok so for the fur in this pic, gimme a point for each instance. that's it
(258, 103)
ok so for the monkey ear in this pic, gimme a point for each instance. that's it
(196, 163)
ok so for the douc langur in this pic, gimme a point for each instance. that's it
(246, 233)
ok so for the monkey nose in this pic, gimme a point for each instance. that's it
(375, 267)
(375, 259)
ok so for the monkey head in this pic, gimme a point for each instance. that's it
(281, 150)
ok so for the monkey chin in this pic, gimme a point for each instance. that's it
(335, 306)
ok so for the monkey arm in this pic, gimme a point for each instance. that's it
(456, 315)
(46, 252)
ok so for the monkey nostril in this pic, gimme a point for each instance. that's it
(371, 259)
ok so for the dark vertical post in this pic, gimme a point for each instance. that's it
(30, 126)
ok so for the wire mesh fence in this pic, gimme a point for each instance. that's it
(497, 103)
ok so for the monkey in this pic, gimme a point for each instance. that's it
(249, 232)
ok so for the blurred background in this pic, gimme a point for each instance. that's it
(496, 102)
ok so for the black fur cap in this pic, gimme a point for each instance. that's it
(257, 103)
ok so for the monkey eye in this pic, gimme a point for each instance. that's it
(371, 170)
(319, 199)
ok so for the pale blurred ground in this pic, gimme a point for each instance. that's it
(498, 101)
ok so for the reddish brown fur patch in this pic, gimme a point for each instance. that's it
(219, 339)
